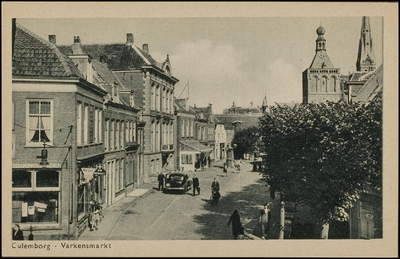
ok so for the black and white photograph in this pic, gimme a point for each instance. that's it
(136, 129)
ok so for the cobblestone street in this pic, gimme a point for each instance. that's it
(153, 215)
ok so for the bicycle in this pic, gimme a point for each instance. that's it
(214, 197)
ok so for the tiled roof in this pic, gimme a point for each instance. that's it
(105, 73)
(181, 109)
(36, 57)
(118, 56)
(246, 120)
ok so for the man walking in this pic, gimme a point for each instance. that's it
(161, 181)
(196, 185)
(264, 219)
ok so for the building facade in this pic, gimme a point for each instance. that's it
(193, 154)
(153, 85)
(47, 178)
(220, 141)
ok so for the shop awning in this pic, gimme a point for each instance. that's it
(196, 146)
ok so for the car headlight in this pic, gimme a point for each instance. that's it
(167, 184)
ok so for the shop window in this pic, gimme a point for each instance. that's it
(39, 122)
(47, 178)
(21, 179)
(35, 196)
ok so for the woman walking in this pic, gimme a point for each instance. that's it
(236, 224)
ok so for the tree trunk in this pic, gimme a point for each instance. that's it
(324, 231)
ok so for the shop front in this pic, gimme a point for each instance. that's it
(194, 156)
(89, 191)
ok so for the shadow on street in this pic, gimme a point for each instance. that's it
(248, 201)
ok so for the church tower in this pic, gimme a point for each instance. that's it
(264, 106)
(321, 81)
(365, 58)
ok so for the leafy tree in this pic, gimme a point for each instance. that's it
(323, 155)
(246, 141)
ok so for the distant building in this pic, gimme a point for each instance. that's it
(192, 139)
(236, 118)
(321, 81)
(220, 141)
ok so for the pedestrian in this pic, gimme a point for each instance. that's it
(161, 181)
(17, 233)
(96, 215)
(215, 185)
(237, 227)
(196, 185)
(225, 169)
(265, 218)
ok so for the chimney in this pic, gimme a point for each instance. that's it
(77, 39)
(129, 39)
(52, 39)
(146, 48)
(76, 47)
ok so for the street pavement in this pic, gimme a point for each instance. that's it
(149, 214)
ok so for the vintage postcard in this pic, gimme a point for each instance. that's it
(220, 129)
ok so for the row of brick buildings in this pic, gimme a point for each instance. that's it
(91, 123)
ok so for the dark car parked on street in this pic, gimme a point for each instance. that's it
(177, 182)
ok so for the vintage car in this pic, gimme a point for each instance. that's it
(177, 182)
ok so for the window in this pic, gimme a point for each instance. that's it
(117, 137)
(117, 178)
(39, 121)
(152, 100)
(187, 128)
(112, 135)
(122, 134)
(91, 124)
(153, 132)
(133, 137)
(96, 126)
(121, 174)
(86, 125)
(183, 128)
(186, 159)
(100, 126)
(157, 142)
(79, 125)
(127, 131)
(107, 136)
(35, 196)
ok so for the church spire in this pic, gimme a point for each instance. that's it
(365, 58)
(264, 106)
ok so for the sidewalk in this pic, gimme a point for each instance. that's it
(113, 212)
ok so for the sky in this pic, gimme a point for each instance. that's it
(230, 59)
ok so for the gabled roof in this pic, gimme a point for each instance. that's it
(372, 88)
(36, 57)
(118, 56)
(179, 108)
